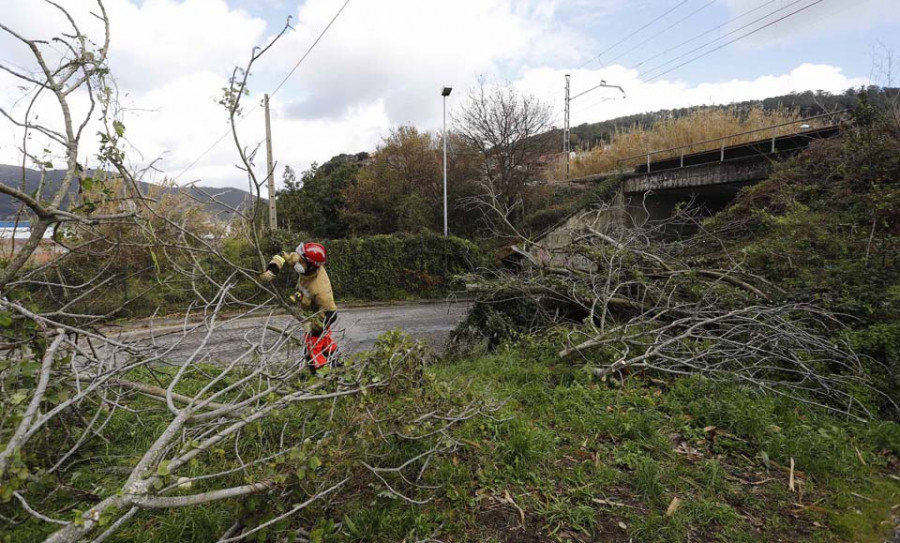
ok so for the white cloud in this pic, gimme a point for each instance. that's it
(829, 17)
(161, 40)
(667, 94)
(382, 64)
(403, 51)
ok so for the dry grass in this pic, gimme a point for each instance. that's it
(701, 125)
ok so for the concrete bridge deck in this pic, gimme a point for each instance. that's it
(727, 165)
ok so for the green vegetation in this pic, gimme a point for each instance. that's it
(376, 268)
(312, 203)
(396, 267)
(806, 103)
(567, 458)
(824, 227)
(686, 438)
(578, 457)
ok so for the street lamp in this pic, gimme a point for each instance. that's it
(445, 93)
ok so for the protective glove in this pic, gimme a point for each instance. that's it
(266, 276)
(316, 324)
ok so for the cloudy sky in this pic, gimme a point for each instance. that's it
(383, 63)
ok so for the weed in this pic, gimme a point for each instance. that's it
(647, 481)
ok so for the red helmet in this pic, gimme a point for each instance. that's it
(314, 253)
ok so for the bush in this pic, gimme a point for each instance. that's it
(391, 267)
(824, 228)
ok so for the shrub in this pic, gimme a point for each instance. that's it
(392, 267)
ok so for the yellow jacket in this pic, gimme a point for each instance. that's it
(314, 293)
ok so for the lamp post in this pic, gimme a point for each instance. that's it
(445, 93)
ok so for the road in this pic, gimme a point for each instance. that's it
(356, 329)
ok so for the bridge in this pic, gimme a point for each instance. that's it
(654, 183)
(657, 181)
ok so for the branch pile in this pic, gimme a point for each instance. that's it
(644, 304)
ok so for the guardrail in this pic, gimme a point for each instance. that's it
(724, 139)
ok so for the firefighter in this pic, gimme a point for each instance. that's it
(314, 295)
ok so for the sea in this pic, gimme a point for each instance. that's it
(17, 230)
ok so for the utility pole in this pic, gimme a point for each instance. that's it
(270, 169)
(566, 129)
(566, 134)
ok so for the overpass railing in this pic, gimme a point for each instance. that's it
(837, 118)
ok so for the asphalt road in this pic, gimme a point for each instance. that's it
(356, 329)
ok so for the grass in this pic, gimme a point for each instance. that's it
(565, 459)
(701, 125)
(721, 451)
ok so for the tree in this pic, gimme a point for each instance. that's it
(312, 204)
(510, 131)
(289, 200)
(67, 385)
(401, 191)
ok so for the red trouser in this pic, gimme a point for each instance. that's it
(320, 348)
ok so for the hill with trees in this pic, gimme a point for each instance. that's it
(30, 179)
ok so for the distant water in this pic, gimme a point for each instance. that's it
(21, 230)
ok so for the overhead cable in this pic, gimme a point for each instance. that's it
(277, 88)
(705, 33)
(663, 31)
(767, 25)
(629, 36)
(723, 36)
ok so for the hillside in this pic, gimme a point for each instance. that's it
(806, 104)
(12, 176)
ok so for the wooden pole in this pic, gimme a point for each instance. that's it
(270, 169)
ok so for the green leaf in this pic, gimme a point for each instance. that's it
(163, 468)
(119, 128)
(155, 260)
(314, 462)
(316, 535)
(28, 369)
(87, 183)
(349, 524)
(764, 456)
(5, 319)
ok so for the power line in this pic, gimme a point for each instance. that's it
(593, 105)
(309, 50)
(664, 30)
(767, 25)
(626, 38)
(723, 36)
(707, 32)
(277, 88)
(745, 35)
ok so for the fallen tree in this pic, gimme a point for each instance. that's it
(255, 430)
(635, 300)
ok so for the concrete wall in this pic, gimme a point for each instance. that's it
(706, 175)
(651, 197)
(549, 249)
